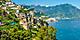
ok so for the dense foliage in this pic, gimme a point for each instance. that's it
(10, 29)
(31, 34)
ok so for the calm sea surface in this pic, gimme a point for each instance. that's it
(67, 29)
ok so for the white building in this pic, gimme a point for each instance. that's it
(8, 3)
(12, 5)
(3, 8)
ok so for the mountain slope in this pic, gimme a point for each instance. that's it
(63, 10)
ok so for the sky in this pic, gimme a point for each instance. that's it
(48, 2)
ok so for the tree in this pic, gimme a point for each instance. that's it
(12, 30)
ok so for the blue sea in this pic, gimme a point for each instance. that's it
(67, 29)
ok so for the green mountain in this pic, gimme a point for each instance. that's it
(62, 10)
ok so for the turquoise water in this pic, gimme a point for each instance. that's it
(67, 29)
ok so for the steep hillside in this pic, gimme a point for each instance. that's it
(19, 23)
(62, 11)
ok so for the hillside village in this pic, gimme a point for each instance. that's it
(25, 18)
(12, 14)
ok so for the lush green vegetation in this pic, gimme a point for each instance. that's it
(14, 33)
(10, 29)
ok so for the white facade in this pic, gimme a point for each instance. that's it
(8, 3)
(3, 7)
(11, 5)
(17, 11)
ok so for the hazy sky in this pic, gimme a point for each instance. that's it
(48, 2)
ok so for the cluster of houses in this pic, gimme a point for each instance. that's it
(26, 19)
